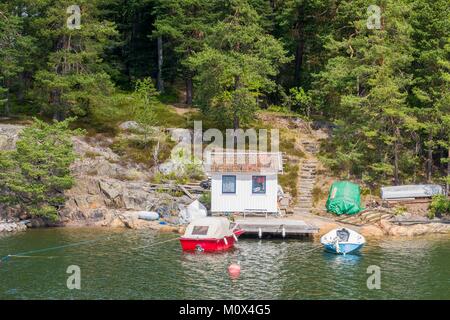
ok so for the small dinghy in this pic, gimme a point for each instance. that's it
(210, 234)
(342, 241)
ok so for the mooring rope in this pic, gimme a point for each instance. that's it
(161, 242)
(26, 254)
(19, 256)
(311, 250)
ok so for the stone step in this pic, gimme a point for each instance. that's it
(303, 211)
(303, 206)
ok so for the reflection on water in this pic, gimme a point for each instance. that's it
(340, 261)
(130, 264)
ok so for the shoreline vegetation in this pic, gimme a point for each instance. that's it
(87, 113)
(109, 191)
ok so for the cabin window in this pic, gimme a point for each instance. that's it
(258, 184)
(228, 184)
(200, 230)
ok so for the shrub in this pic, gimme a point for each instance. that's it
(205, 198)
(35, 175)
(440, 205)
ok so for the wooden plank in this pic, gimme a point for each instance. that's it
(190, 195)
(276, 226)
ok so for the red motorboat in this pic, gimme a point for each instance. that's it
(210, 234)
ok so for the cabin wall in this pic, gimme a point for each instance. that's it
(244, 200)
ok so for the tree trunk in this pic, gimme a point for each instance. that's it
(22, 88)
(299, 60)
(448, 172)
(159, 81)
(396, 151)
(416, 153)
(299, 51)
(236, 122)
(189, 89)
(7, 104)
(55, 101)
(430, 158)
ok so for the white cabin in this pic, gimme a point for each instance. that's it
(243, 182)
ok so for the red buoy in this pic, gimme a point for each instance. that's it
(234, 270)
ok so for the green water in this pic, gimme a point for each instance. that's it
(130, 265)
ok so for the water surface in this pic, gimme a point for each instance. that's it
(129, 264)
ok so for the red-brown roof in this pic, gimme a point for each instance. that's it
(263, 162)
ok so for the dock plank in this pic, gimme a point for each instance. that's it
(276, 226)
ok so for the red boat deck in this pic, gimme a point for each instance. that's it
(209, 244)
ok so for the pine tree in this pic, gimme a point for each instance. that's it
(16, 50)
(184, 23)
(365, 85)
(236, 66)
(302, 25)
(431, 69)
(75, 76)
(35, 175)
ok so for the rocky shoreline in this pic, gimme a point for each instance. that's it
(383, 228)
(9, 227)
(110, 192)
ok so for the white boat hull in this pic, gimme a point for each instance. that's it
(342, 241)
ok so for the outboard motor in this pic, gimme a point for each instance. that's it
(343, 235)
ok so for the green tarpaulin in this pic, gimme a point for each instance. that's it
(344, 198)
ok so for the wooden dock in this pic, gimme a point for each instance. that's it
(276, 227)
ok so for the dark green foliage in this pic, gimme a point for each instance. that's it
(387, 91)
(439, 206)
(237, 65)
(35, 175)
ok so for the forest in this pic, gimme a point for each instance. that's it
(380, 79)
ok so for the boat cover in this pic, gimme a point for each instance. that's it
(411, 191)
(209, 228)
(192, 212)
(344, 198)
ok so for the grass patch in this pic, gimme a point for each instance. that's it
(288, 180)
(91, 154)
(170, 95)
(137, 150)
(318, 194)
